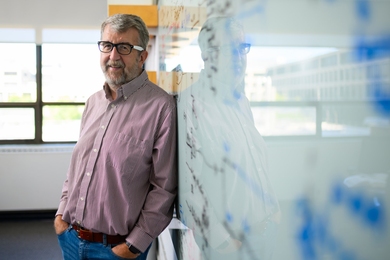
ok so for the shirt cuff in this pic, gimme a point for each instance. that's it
(139, 239)
(61, 208)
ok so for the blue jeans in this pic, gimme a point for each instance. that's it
(75, 248)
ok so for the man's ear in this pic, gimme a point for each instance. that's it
(142, 58)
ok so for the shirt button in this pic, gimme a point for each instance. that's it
(95, 150)
(88, 174)
(113, 106)
(82, 198)
(78, 222)
(124, 97)
(102, 126)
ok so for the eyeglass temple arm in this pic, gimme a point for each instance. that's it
(138, 48)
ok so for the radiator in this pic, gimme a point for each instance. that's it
(31, 176)
(36, 148)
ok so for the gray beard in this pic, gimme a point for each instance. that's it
(115, 83)
(126, 77)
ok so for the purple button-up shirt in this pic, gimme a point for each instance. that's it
(122, 177)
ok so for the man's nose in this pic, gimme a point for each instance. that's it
(236, 54)
(114, 54)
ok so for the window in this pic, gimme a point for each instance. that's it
(18, 91)
(17, 123)
(308, 91)
(44, 103)
(70, 74)
(291, 120)
(18, 72)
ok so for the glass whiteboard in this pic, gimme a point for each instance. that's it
(284, 127)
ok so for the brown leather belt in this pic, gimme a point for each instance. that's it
(98, 237)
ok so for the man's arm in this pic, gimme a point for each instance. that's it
(158, 208)
(59, 224)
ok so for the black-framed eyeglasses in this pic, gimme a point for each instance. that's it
(242, 48)
(122, 47)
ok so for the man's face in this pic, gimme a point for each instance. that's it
(117, 68)
(225, 58)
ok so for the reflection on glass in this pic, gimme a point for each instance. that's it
(61, 123)
(302, 73)
(334, 76)
(17, 123)
(285, 121)
(17, 72)
(70, 72)
(226, 198)
(353, 119)
(274, 70)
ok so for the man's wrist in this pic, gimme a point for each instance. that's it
(132, 248)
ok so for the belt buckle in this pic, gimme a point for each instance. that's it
(77, 228)
(85, 234)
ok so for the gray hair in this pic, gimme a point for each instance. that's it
(123, 22)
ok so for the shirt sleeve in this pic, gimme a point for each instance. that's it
(65, 186)
(64, 199)
(158, 208)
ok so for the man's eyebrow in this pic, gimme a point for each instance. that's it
(118, 42)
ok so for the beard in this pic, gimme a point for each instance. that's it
(123, 76)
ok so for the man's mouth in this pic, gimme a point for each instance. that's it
(114, 66)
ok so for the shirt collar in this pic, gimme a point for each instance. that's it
(129, 88)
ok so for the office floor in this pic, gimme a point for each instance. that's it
(28, 239)
(31, 236)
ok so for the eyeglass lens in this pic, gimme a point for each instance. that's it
(122, 48)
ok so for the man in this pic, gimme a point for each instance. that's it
(226, 196)
(121, 183)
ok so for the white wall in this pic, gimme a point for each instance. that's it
(31, 177)
(69, 14)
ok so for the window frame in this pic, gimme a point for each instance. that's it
(38, 108)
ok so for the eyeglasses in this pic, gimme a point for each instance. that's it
(121, 48)
(242, 48)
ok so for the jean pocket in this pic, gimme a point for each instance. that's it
(117, 256)
(65, 231)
